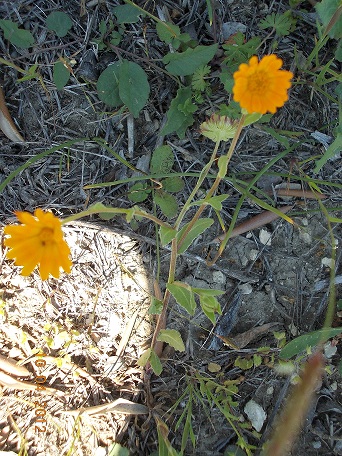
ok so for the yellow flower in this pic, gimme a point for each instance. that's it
(38, 241)
(219, 128)
(261, 86)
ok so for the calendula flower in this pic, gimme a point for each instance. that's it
(261, 86)
(219, 128)
(38, 241)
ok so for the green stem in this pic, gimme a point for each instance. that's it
(216, 183)
(114, 210)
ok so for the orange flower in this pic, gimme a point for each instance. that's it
(38, 241)
(261, 86)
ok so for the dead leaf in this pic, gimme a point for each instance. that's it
(6, 123)
(243, 339)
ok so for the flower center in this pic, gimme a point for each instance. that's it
(258, 83)
(46, 236)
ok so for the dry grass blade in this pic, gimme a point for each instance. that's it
(118, 406)
(11, 367)
(10, 382)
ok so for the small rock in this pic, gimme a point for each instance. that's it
(327, 262)
(219, 277)
(245, 288)
(256, 414)
(265, 237)
(230, 28)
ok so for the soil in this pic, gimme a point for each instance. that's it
(94, 324)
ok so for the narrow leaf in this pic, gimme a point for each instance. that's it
(199, 227)
(171, 337)
(309, 340)
(155, 363)
(207, 291)
(332, 150)
(183, 295)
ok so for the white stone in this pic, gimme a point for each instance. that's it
(265, 237)
(256, 414)
(327, 262)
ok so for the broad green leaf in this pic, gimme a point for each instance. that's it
(138, 192)
(18, 37)
(183, 295)
(155, 307)
(173, 184)
(222, 166)
(308, 340)
(177, 119)
(108, 85)
(326, 9)
(166, 235)
(155, 363)
(134, 88)
(167, 203)
(127, 14)
(162, 160)
(185, 63)
(61, 75)
(167, 31)
(59, 22)
(199, 227)
(142, 361)
(210, 305)
(332, 150)
(243, 363)
(171, 337)
(207, 291)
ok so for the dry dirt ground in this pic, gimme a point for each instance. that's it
(94, 324)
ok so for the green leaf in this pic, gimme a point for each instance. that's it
(326, 10)
(155, 307)
(173, 184)
(108, 85)
(127, 14)
(155, 363)
(117, 450)
(185, 63)
(308, 340)
(177, 119)
(207, 291)
(138, 192)
(283, 24)
(210, 305)
(171, 337)
(59, 22)
(214, 201)
(240, 51)
(184, 296)
(243, 363)
(144, 358)
(167, 203)
(167, 31)
(162, 160)
(18, 37)
(134, 88)
(166, 235)
(199, 227)
(198, 81)
(332, 150)
(61, 75)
